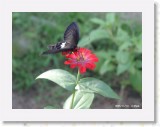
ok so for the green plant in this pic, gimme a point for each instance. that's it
(82, 89)
(118, 44)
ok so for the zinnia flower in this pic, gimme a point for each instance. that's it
(82, 58)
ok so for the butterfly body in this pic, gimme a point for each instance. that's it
(69, 43)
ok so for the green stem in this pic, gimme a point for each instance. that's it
(78, 76)
(72, 99)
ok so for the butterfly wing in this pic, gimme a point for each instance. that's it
(71, 35)
(71, 38)
(60, 46)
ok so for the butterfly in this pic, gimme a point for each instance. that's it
(69, 43)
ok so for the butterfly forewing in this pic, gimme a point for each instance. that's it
(71, 34)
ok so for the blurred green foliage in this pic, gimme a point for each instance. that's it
(117, 43)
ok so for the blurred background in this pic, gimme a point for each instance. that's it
(116, 38)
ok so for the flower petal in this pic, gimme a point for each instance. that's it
(68, 62)
(82, 69)
(73, 65)
(90, 66)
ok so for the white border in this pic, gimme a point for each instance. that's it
(144, 114)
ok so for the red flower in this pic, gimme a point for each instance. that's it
(82, 58)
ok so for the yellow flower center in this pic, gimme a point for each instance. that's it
(80, 57)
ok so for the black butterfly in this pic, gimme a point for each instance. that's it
(69, 43)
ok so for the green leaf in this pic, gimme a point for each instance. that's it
(132, 67)
(137, 40)
(106, 66)
(93, 36)
(122, 57)
(49, 107)
(139, 46)
(61, 77)
(138, 63)
(125, 46)
(136, 80)
(123, 67)
(97, 21)
(97, 86)
(82, 100)
(126, 27)
(101, 54)
(84, 41)
(98, 34)
(110, 18)
(122, 36)
(105, 54)
(125, 61)
(99, 64)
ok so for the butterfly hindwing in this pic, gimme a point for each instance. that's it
(60, 46)
(71, 38)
